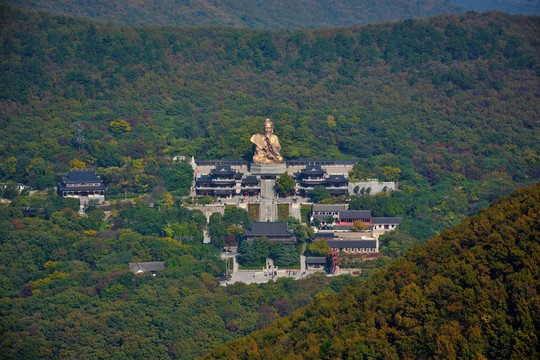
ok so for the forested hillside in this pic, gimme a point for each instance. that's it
(471, 293)
(66, 291)
(446, 106)
(258, 14)
(450, 95)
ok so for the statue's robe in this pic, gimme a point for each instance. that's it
(267, 149)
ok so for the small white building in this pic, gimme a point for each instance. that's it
(315, 263)
(385, 223)
(151, 266)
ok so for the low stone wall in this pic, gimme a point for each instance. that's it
(375, 185)
(330, 169)
(348, 271)
(208, 210)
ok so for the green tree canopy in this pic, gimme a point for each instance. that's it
(285, 185)
(319, 248)
(319, 193)
(178, 177)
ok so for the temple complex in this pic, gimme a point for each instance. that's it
(240, 178)
(252, 185)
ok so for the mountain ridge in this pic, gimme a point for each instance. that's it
(273, 14)
(529, 7)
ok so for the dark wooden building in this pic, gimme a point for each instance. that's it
(315, 263)
(274, 231)
(337, 185)
(308, 178)
(348, 217)
(315, 175)
(251, 186)
(221, 182)
(225, 182)
(82, 184)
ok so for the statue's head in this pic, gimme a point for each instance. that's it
(268, 126)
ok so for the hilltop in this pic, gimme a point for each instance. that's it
(418, 89)
(470, 293)
(257, 14)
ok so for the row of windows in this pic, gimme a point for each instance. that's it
(355, 250)
(384, 226)
(78, 193)
(83, 184)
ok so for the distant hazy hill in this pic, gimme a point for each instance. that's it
(529, 7)
(267, 14)
(471, 293)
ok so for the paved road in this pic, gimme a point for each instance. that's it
(294, 209)
(267, 188)
(268, 211)
(207, 239)
(258, 277)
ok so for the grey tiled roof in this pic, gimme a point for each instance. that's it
(354, 244)
(355, 214)
(146, 266)
(81, 175)
(324, 235)
(250, 179)
(204, 178)
(223, 170)
(336, 178)
(269, 229)
(313, 170)
(386, 220)
(329, 207)
(316, 260)
(81, 180)
(342, 227)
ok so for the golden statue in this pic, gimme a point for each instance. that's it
(267, 146)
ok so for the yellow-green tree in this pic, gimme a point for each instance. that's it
(119, 127)
(358, 226)
(168, 200)
(391, 173)
(77, 164)
(319, 248)
(331, 121)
